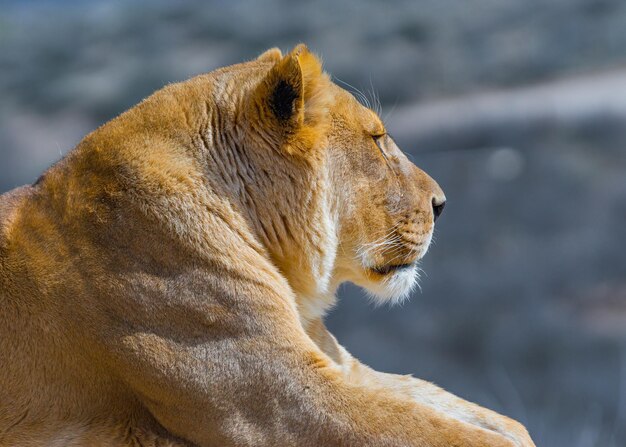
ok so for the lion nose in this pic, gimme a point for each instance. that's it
(438, 206)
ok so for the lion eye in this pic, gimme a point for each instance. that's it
(378, 140)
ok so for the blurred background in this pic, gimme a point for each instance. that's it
(517, 108)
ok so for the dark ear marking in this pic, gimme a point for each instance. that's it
(282, 100)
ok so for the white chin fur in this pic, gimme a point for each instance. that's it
(394, 288)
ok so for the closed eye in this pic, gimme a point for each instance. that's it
(378, 139)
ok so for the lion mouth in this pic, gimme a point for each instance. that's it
(392, 268)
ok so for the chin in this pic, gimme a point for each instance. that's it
(395, 287)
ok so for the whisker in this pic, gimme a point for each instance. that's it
(382, 238)
(358, 93)
(375, 98)
(379, 247)
(390, 111)
(368, 251)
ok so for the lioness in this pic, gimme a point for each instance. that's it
(166, 282)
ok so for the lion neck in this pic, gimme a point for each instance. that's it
(289, 210)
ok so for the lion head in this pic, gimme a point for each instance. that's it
(321, 182)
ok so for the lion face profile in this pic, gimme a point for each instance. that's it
(363, 212)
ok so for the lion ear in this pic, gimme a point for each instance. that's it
(284, 91)
(271, 55)
(292, 99)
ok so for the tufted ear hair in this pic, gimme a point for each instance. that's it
(291, 101)
(271, 55)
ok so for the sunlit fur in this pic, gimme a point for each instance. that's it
(165, 283)
(395, 287)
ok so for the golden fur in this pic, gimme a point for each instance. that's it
(165, 283)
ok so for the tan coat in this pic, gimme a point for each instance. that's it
(165, 283)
